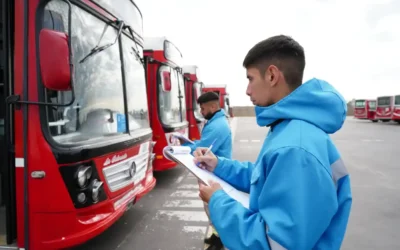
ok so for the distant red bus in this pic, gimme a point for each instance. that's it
(193, 87)
(396, 109)
(384, 108)
(165, 95)
(365, 109)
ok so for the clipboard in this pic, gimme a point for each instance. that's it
(181, 154)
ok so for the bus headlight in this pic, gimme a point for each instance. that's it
(81, 197)
(83, 175)
(95, 190)
(83, 183)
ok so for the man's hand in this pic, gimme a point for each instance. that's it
(208, 161)
(207, 191)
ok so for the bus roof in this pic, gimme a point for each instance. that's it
(215, 86)
(191, 69)
(154, 43)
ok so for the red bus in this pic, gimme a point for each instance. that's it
(166, 96)
(396, 109)
(365, 109)
(76, 140)
(384, 108)
(221, 90)
(193, 88)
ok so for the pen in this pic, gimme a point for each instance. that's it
(207, 151)
(209, 148)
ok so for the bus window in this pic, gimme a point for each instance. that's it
(98, 110)
(171, 101)
(397, 100)
(383, 101)
(136, 88)
(196, 95)
(372, 105)
(360, 104)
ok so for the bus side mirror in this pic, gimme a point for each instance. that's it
(55, 60)
(166, 83)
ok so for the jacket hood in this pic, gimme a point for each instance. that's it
(315, 101)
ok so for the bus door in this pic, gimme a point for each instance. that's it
(7, 163)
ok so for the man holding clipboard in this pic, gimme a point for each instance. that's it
(217, 137)
(299, 188)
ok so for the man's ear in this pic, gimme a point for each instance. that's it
(272, 74)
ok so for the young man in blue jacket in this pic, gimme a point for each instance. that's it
(300, 195)
(216, 130)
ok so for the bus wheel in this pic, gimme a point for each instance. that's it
(374, 120)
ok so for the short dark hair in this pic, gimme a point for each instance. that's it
(207, 97)
(282, 51)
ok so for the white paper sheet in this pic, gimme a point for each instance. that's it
(179, 154)
(175, 150)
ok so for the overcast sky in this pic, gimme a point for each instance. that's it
(354, 44)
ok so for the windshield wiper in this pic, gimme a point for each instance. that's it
(136, 52)
(98, 48)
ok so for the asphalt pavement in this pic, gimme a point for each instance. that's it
(172, 216)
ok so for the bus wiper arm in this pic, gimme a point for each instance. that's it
(136, 52)
(98, 48)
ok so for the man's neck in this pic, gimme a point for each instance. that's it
(214, 113)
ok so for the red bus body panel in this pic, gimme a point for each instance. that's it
(54, 222)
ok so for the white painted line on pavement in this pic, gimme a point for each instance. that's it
(244, 140)
(184, 203)
(255, 140)
(198, 216)
(180, 179)
(189, 186)
(195, 229)
(372, 140)
(185, 193)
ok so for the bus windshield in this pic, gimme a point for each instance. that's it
(226, 104)
(360, 104)
(196, 106)
(99, 108)
(372, 104)
(383, 101)
(171, 100)
(397, 100)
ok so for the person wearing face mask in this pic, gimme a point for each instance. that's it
(216, 130)
(299, 188)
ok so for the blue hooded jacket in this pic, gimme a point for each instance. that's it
(216, 128)
(300, 195)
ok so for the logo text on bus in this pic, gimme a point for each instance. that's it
(115, 158)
